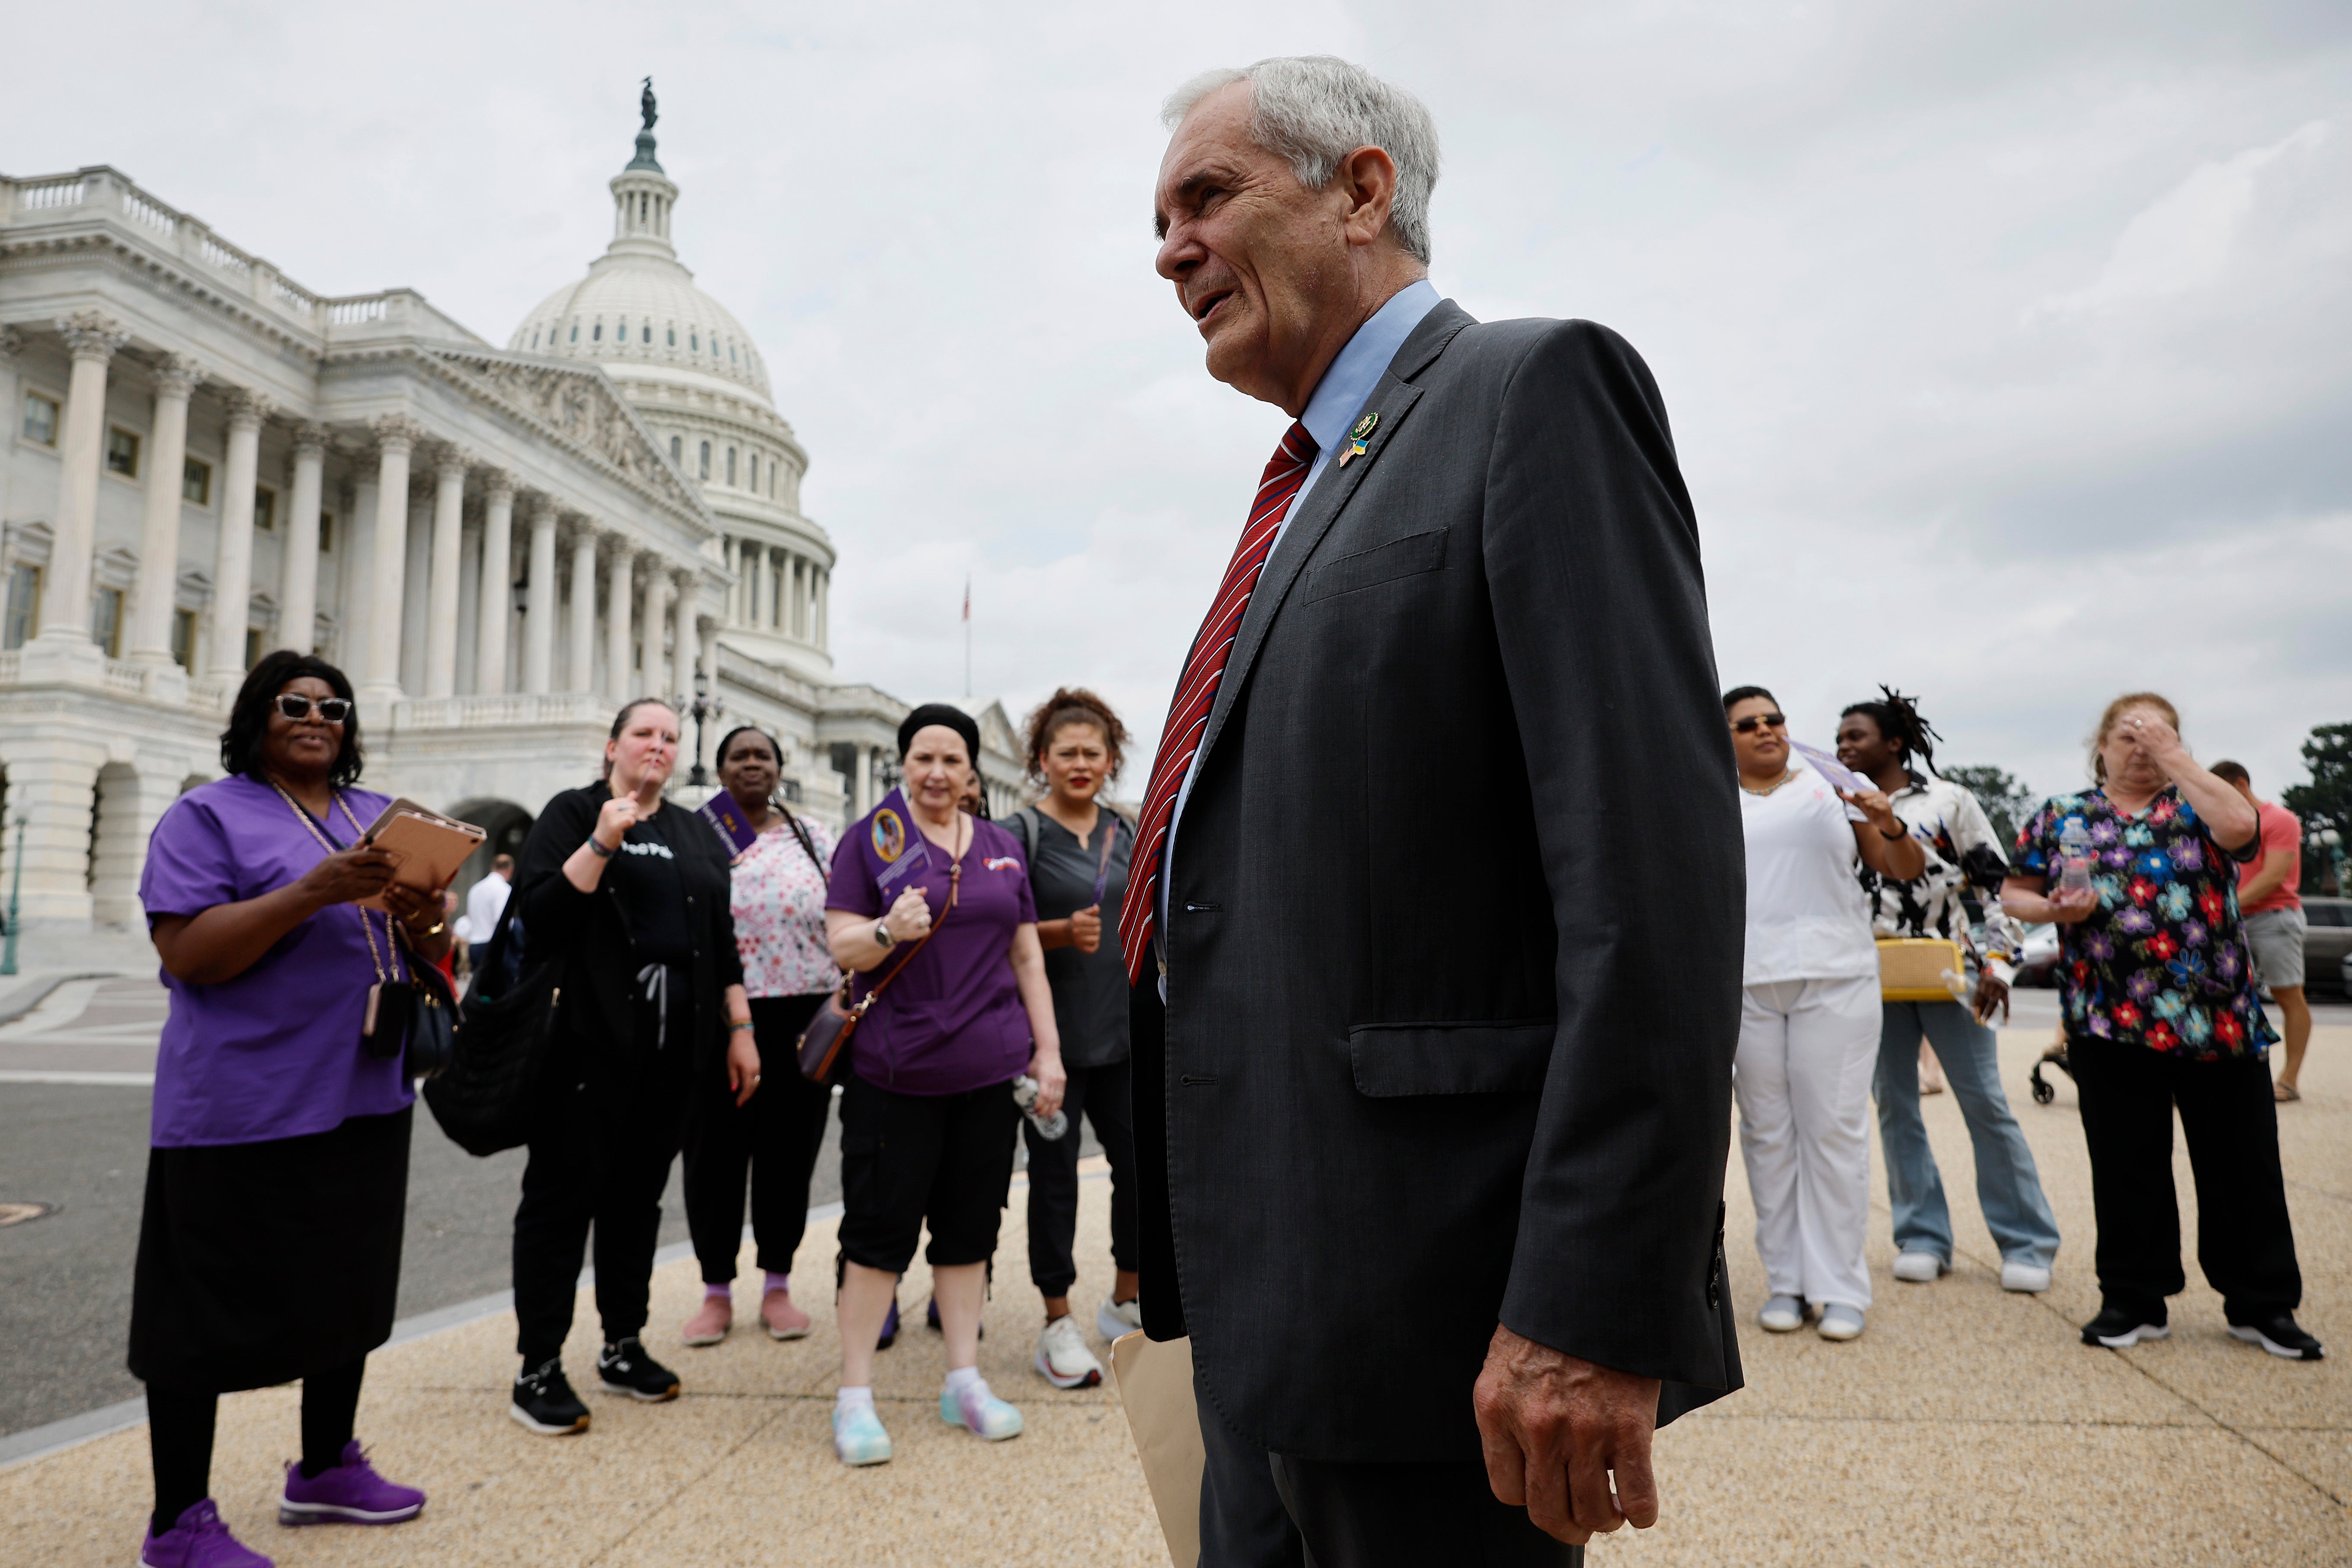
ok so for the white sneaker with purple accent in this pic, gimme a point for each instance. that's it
(979, 1412)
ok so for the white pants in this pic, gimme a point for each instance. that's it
(1807, 1049)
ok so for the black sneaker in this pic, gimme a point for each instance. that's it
(2118, 1328)
(626, 1369)
(2278, 1334)
(544, 1401)
(932, 1319)
(890, 1330)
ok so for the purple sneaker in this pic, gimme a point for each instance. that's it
(197, 1538)
(350, 1493)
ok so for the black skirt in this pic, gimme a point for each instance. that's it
(260, 1263)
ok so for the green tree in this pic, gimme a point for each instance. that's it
(2326, 800)
(2005, 798)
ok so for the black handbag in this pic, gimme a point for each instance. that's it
(501, 1040)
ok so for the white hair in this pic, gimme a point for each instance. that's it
(1315, 109)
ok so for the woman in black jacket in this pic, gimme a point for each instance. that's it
(630, 894)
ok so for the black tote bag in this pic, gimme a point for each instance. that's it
(483, 1098)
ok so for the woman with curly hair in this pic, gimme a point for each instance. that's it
(1078, 852)
(269, 1250)
(1890, 744)
(2161, 1010)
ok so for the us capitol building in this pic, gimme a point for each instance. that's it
(206, 461)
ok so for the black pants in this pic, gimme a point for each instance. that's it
(777, 1135)
(1101, 1095)
(1270, 1510)
(600, 1153)
(908, 1159)
(180, 1435)
(2244, 1240)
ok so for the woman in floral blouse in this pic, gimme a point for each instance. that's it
(2161, 1010)
(779, 905)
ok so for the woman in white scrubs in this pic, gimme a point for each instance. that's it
(1809, 1016)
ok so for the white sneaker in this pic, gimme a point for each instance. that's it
(1840, 1322)
(1919, 1268)
(1063, 1356)
(2027, 1278)
(1116, 1318)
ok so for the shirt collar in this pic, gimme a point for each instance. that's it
(1359, 366)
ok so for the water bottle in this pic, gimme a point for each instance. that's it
(1025, 1094)
(2073, 861)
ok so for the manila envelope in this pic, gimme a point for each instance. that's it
(1155, 1386)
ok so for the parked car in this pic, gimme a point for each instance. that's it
(2037, 966)
(2327, 946)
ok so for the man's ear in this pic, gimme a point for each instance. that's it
(1369, 177)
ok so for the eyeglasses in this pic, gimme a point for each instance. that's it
(1770, 720)
(297, 707)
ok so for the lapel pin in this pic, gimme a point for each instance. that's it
(1360, 438)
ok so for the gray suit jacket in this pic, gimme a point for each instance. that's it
(1455, 920)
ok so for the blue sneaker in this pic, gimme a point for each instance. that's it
(979, 1412)
(858, 1438)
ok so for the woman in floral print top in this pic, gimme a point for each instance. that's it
(777, 894)
(2162, 1012)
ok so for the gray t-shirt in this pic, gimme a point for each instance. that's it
(1089, 989)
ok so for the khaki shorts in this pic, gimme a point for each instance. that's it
(2277, 937)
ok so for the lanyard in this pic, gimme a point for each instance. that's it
(329, 845)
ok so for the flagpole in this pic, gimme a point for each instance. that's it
(967, 635)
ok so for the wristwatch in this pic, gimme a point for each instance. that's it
(882, 936)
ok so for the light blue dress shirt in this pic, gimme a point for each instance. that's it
(1338, 399)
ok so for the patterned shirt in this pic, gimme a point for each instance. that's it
(779, 902)
(1962, 850)
(2161, 961)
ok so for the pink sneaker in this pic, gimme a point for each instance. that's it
(198, 1539)
(784, 1321)
(710, 1322)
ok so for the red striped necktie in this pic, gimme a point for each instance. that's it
(1196, 694)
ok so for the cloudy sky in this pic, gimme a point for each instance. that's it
(2009, 345)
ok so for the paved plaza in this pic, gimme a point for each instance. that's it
(1965, 1427)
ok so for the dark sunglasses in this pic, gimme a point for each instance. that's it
(1742, 726)
(297, 707)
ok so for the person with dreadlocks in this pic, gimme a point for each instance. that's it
(1889, 743)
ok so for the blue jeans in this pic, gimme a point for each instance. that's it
(2009, 1189)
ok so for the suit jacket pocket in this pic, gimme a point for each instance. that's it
(1394, 1059)
(1406, 557)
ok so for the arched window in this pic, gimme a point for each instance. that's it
(731, 465)
(672, 336)
(693, 340)
(704, 467)
(675, 455)
(575, 331)
(649, 333)
(714, 348)
(751, 482)
(534, 337)
(597, 334)
(621, 331)
(730, 353)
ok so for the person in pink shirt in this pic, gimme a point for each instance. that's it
(2272, 908)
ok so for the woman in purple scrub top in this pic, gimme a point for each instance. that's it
(269, 1250)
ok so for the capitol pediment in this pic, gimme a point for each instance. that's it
(577, 404)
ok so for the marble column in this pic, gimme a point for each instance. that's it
(753, 558)
(298, 580)
(354, 637)
(498, 582)
(823, 636)
(655, 624)
(396, 437)
(688, 657)
(159, 539)
(582, 674)
(415, 599)
(735, 588)
(233, 555)
(539, 615)
(441, 607)
(93, 339)
(620, 678)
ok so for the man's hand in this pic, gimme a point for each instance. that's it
(1554, 1429)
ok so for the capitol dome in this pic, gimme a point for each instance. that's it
(689, 369)
(638, 306)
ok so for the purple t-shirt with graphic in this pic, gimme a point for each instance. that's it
(275, 1052)
(953, 1022)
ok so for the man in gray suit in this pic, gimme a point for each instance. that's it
(1436, 916)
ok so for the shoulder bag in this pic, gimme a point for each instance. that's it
(500, 1047)
(823, 1048)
